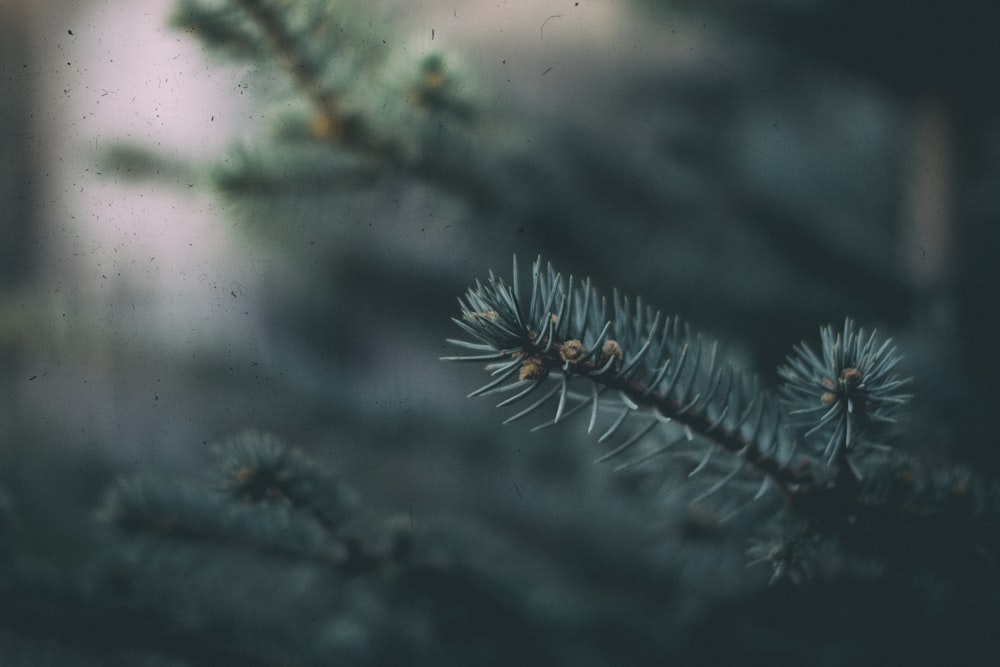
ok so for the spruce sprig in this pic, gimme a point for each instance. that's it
(848, 393)
(640, 363)
(651, 366)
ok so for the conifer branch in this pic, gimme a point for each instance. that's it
(267, 496)
(837, 406)
(658, 369)
(337, 124)
(374, 109)
(653, 363)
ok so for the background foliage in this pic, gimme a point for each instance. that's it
(760, 169)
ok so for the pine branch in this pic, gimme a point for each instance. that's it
(338, 124)
(266, 496)
(662, 372)
(258, 467)
(188, 512)
(848, 392)
(655, 365)
(378, 110)
(850, 487)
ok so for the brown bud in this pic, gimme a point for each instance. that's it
(572, 351)
(490, 315)
(532, 369)
(851, 376)
(611, 348)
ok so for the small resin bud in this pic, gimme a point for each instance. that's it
(851, 377)
(572, 351)
(532, 370)
(611, 348)
(490, 315)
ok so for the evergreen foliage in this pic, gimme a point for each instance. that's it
(854, 381)
(650, 361)
(848, 484)
(219, 574)
(722, 482)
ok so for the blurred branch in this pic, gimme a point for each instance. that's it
(334, 123)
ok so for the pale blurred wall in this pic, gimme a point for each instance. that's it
(18, 165)
(132, 280)
(127, 279)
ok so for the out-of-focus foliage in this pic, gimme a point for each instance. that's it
(742, 185)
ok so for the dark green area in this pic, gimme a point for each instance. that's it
(760, 186)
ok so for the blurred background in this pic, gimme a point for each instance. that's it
(208, 225)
